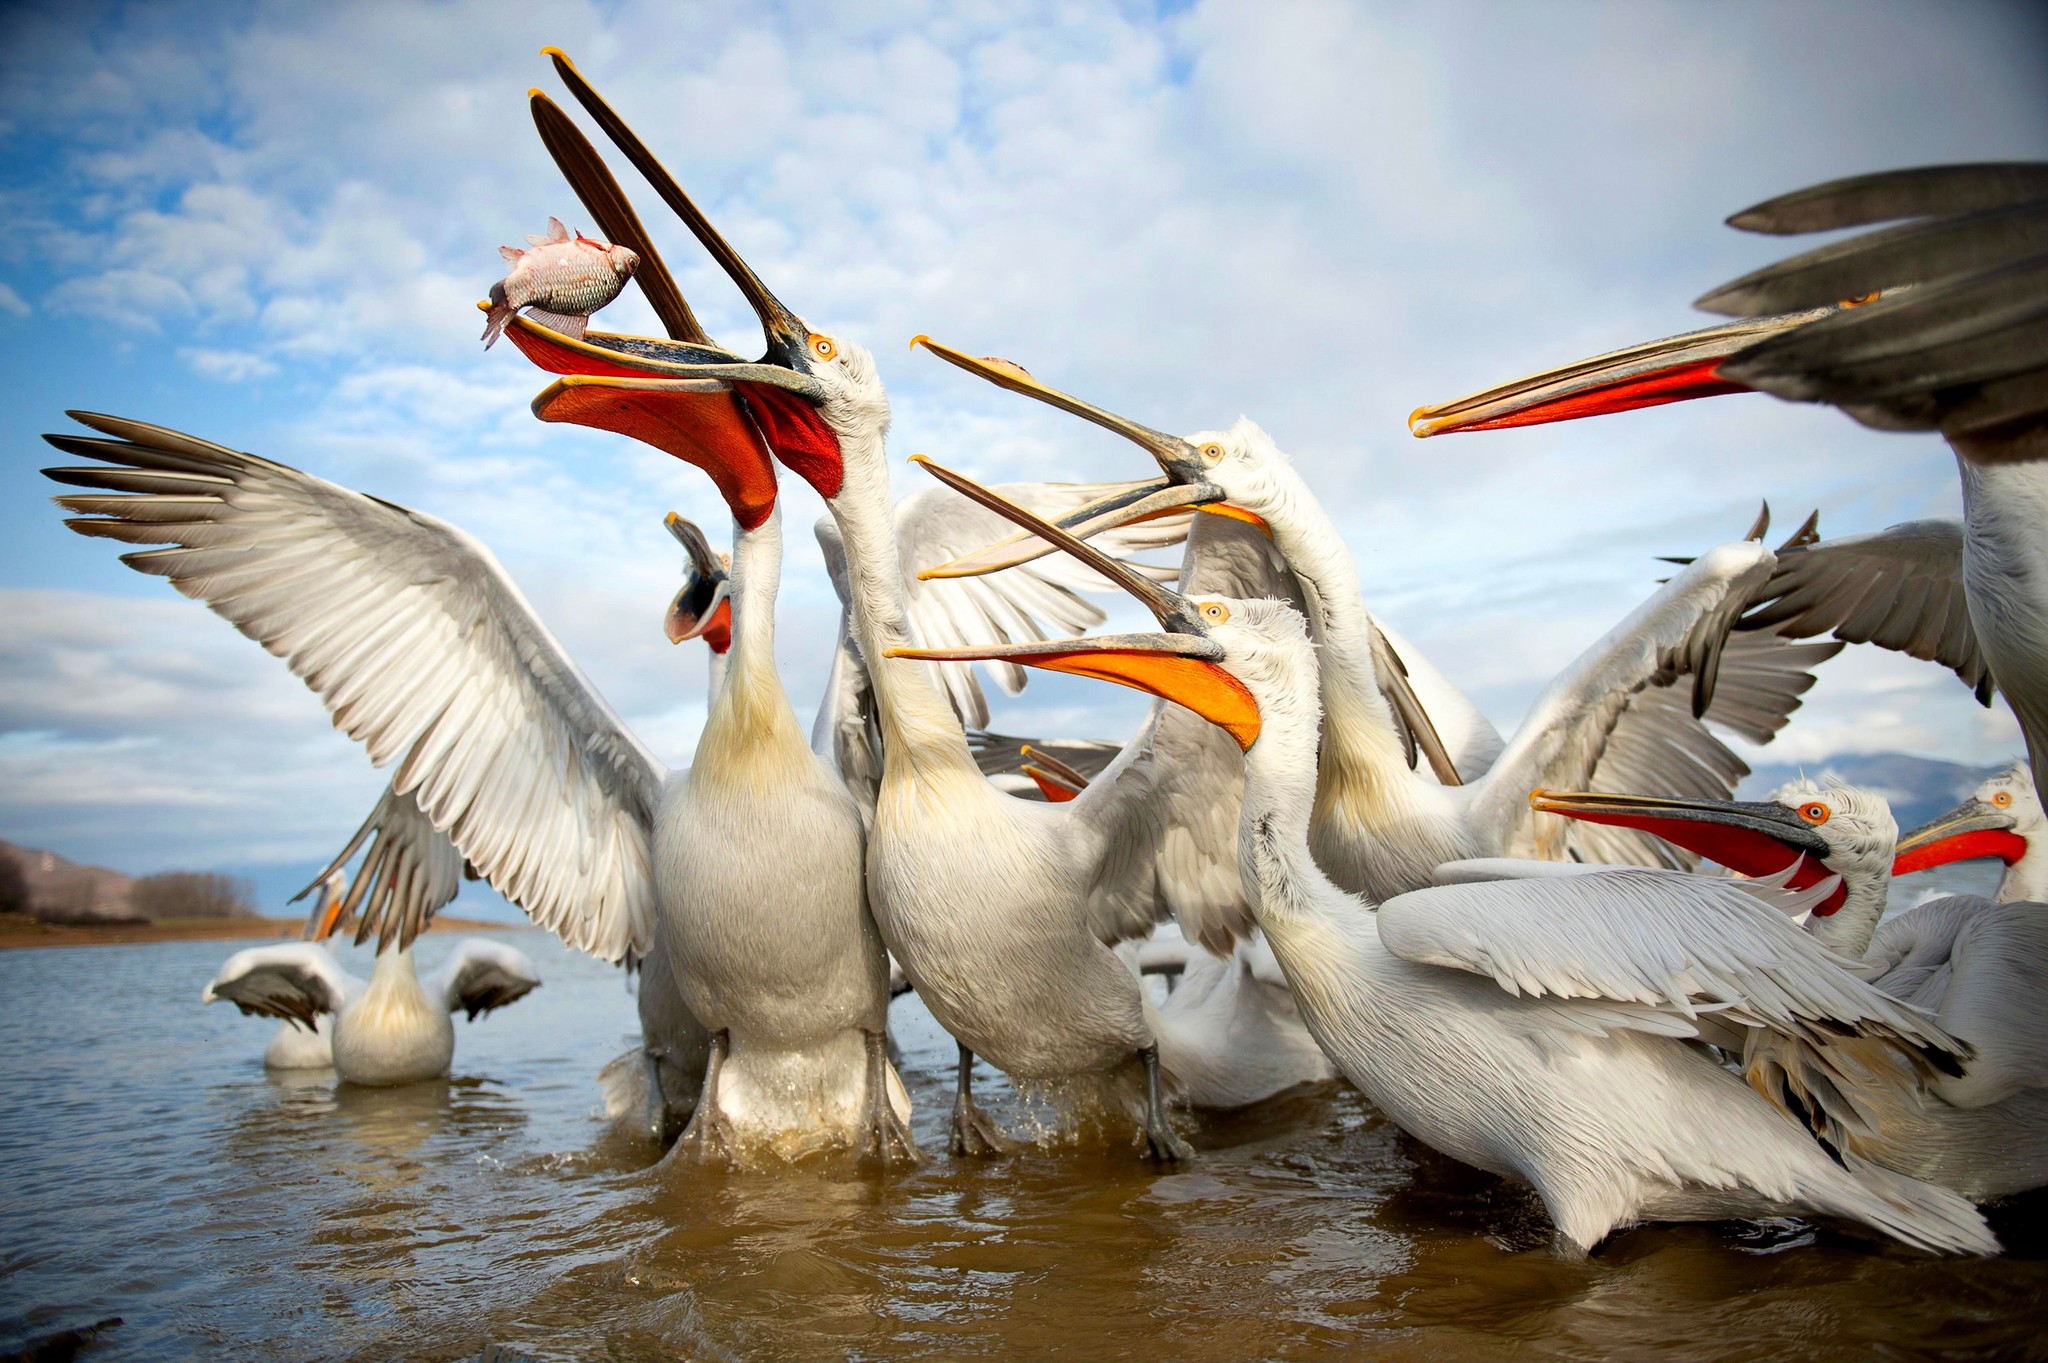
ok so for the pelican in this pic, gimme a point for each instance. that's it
(1534, 1028)
(388, 1031)
(1979, 967)
(2003, 819)
(958, 872)
(1937, 327)
(1630, 705)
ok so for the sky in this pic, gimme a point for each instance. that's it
(269, 225)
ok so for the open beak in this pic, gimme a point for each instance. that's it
(1976, 828)
(1185, 485)
(702, 607)
(686, 396)
(1183, 664)
(1753, 837)
(1676, 369)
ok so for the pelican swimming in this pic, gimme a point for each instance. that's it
(1534, 1028)
(394, 1028)
(1979, 967)
(2003, 819)
(958, 872)
(1937, 327)
(1632, 704)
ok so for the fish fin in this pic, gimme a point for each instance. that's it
(567, 324)
(500, 314)
(557, 232)
(511, 254)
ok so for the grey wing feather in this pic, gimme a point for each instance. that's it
(1900, 588)
(297, 981)
(1889, 195)
(1003, 754)
(410, 872)
(422, 649)
(483, 975)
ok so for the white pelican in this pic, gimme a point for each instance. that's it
(959, 873)
(1938, 327)
(2002, 818)
(1536, 1028)
(1979, 967)
(389, 1031)
(1631, 705)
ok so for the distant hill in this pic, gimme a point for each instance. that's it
(1917, 787)
(59, 890)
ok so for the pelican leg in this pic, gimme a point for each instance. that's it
(973, 1133)
(663, 1124)
(1161, 1143)
(706, 1136)
(889, 1141)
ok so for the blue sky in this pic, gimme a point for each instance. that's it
(268, 225)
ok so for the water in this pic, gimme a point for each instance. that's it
(149, 1169)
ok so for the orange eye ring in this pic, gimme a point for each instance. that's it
(2003, 797)
(1860, 299)
(1814, 812)
(822, 347)
(1211, 452)
(1215, 612)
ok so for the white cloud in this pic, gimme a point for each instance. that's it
(229, 366)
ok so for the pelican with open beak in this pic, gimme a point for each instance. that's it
(1932, 324)
(2003, 819)
(702, 606)
(1557, 1007)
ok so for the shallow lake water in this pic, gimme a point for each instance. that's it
(150, 1169)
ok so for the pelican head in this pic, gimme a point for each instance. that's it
(2002, 818)
(702, 607)
(1233, 662)
(686, 395)
(1226, 473)
(1809, 830)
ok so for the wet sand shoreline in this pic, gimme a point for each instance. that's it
(19, 930)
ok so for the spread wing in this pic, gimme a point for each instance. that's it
(1900, 589)
(409, 874)
(297, 981)
(483, 975)
(1037, 600)
(1627, 714)
(1682, 944)
(422, 650)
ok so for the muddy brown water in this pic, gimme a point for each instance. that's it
(150, 1169)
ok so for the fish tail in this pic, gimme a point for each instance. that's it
(496, 319)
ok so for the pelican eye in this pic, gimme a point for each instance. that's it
(822, 347)
(1860, 299)
(1211, 452)
(2004, 797)
(1815, 812)
(1215, 612)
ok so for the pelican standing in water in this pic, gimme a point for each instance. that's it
(394, 1029)
(1979, 967)
(1934, 324)
(1631, 705)
(1533, 1028)
(959, 874)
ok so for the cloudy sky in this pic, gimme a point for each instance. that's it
(269, 225)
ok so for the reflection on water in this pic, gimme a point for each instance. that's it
(150, 1168)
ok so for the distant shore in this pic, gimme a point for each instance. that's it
(20, 930)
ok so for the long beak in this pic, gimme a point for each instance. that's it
(1675, 369)
(712, 623)
(1055, 790)
(1976, 828)
(328, 910)
(1183, 665)
(1186, 482)
(785, 330)
(701, 605)
(1756, 838)
(699, 421)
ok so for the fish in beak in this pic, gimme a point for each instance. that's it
(703, 607)
(1182, 664)
(686, 395)
(1976, 828)
(1753, 837)
(1186, 482)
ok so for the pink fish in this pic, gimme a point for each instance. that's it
(562, 280)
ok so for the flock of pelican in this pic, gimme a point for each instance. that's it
(1543, 985)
